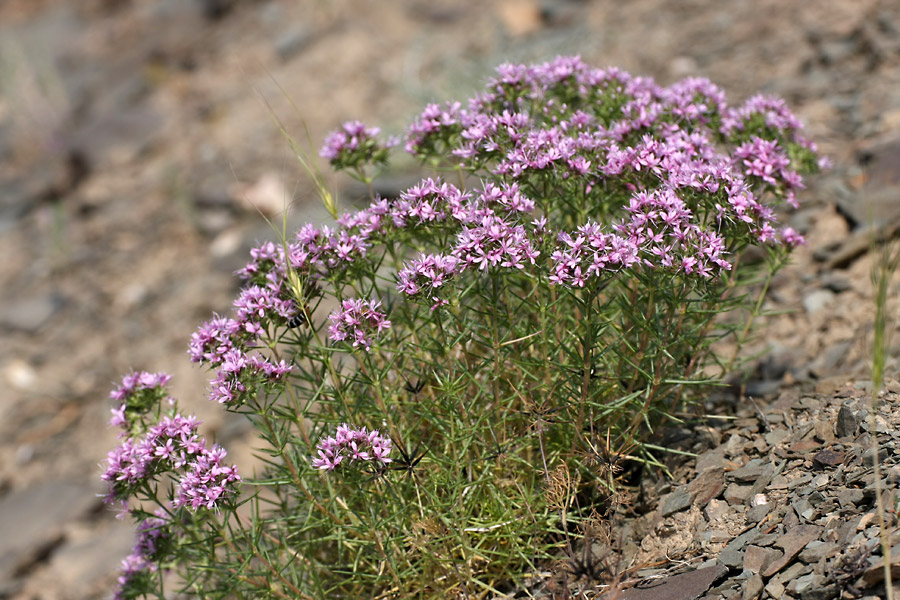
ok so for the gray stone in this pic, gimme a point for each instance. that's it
(817, 300)
(291, 43)
(774, 589)
(804, 509)
(763, 481)
(802, 583)
(737, 494)
(751, 588)
(776, 436)
(685, 586)
(711, 459)
(792, 542)
(731, 558)
(735, 445)
(818, 498)
(756, 559)
(846, 424)
(675, 502)
(715, 510)
(792, 572)
(816, 550)
(31, 314)
(758, 513)
(714, 536)
(766, 540)
(835, 282)
(799, 481)
(32, 520)
(741, 541)
(707, 485)
(749, 472)
(824, 431)
(828, 458)
(849, 497)
(818, 591)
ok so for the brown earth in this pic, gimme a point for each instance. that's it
(137, 135)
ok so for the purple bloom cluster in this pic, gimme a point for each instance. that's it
(320, 252)
(485, 238)
(765, 159)
(621, 172)
(227, 343)
(240, 373)
(354, 145)
(137, 381)
(588, 254)
(139, 392)
(206, 480)
(355, 321)
(660, 234)
(687, 164)
(434, 119)
(758, 112)
(171, 445)
(152, 533)
(353, 444)
(426, 274)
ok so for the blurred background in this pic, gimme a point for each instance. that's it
(139, 144)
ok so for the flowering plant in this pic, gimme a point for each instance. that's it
(446, 381)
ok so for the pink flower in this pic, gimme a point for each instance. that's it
(355, 445)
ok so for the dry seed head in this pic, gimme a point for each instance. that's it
(560, 487)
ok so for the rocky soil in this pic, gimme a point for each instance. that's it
(139, 142)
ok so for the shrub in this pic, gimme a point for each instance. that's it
(446, 383)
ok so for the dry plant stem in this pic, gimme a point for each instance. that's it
(879, 502)
(882, 272)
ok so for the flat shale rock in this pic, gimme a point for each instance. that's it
(686, 586)
(32, 521)
(675, 502)
(707, 485)
(786, 503)
(757, 559)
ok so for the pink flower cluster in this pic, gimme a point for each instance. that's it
(241, 373)
(769, 112)
(352, 444)
(622, 173)
(355, 321)
(666, 148)
(320, 252)
(137, 381)
(432, 120)
(354, 145)
(227, 343)
(168, 446)
(139, 392)
(590, 253)
(151, 533)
